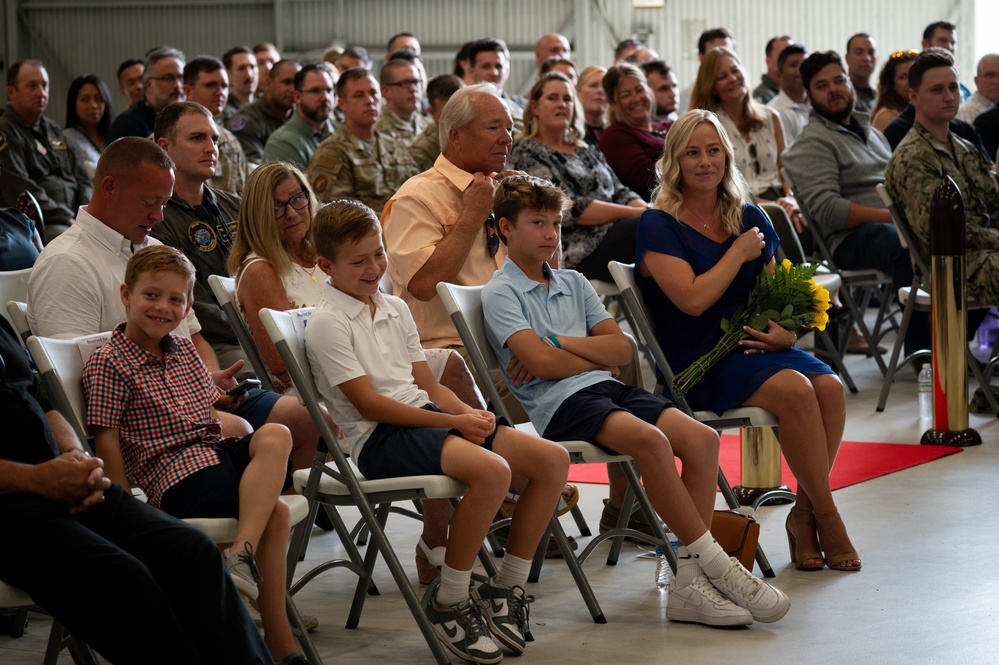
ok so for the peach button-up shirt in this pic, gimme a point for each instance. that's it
(418, 217)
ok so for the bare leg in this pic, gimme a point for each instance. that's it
(544, 465)
(487, 476)
(271, 601)
(260, 485)
(304, 435)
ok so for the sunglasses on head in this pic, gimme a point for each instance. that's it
(492, 239)
(899, 54)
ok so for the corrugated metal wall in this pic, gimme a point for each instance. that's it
(74, 36)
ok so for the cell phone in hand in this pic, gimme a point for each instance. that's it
(241, 387)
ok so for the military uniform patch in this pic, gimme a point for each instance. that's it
(57, 143)
(202, 235)
(319, 184)
(238, 123)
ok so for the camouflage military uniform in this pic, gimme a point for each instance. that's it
(406, 131)
(39, 161)
(231, 170)
(427, 147)
(914, 172)
(253, 125)
(344, 166)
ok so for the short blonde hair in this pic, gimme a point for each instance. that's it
(160, 258)
(575, 132)
(732, 191)
(258, 232)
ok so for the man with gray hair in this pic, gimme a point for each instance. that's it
(987, 89)
(162, 80)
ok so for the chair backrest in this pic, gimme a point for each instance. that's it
(905, 234)
(14, 286)
(287, 337)
(464, 305)
(224, 290)
(790, 245)
(61, 368)
(624, 277)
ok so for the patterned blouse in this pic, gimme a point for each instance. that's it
(586, 178)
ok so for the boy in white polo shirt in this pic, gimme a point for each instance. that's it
(567, 345)
(399, 421)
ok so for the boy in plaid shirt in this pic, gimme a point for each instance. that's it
(150, 403)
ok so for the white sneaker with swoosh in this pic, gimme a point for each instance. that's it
(506, 610)
(462, 630)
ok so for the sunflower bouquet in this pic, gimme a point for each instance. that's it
(789, 296)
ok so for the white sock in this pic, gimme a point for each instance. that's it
(454, 586)
(513, 571)
(709, 555)
(686, 567)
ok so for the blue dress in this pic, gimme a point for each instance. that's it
(686, 338)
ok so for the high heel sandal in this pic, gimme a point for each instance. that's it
(836, 561)
(817, 562)
(428, 561)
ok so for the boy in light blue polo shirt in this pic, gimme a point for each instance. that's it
(559, 347)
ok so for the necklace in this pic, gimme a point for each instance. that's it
(707, 225)
(312, 272)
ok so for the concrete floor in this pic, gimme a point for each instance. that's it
(926, 593)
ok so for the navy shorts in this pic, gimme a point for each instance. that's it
(214, 490)
(395, 452)
(256, 408)
(583, 414)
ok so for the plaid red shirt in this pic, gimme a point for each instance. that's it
(161, 409)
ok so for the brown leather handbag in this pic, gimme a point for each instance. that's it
(737, 534)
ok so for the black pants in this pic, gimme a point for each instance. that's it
(619, 244)
(134, 583)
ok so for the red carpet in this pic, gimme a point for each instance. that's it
(856, 462)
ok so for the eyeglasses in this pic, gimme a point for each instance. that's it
(317, 91)
(752, 155)
(298, 201)
(492, 240)
(407, 83)
(167, 78)
(899, 54)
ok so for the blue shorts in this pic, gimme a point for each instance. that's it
(582, 415)
(256, 408)
(395, 452)
(214, 490)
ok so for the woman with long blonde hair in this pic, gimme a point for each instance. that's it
(698, 254)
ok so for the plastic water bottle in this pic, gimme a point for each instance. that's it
(663, 572)
(926, 392)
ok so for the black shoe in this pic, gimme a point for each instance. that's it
(323, 520)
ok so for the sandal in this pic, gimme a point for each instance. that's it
(808, 560)
(566, 502)
(428, 561)
(840, 560)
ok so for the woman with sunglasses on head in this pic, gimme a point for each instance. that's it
(273, 257)
(755, 130)
(893, 89)
(601, 224)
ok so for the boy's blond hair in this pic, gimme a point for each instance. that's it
(160, 258)
(518, 193)
(340, 222)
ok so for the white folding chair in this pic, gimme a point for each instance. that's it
(916, 297)
(61, 368)
(17, 314)
(464, 305)
(224, 290)
(624, 275)
(339, 483)
(14, 286)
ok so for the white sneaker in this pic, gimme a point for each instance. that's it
(700, 602)
(766, 603)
